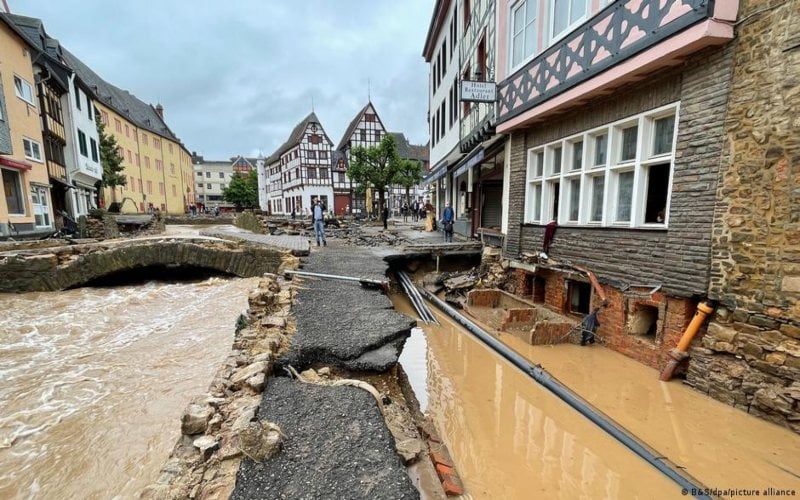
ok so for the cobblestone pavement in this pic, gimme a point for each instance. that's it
(298, 245)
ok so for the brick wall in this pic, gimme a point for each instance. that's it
(677, 258)
(751, 356)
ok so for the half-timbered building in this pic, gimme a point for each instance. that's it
(299, 171)
(366, 130)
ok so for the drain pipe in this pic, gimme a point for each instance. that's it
(680, 352)
(540, 375)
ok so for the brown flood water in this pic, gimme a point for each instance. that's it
(510, 438)
(93, 381)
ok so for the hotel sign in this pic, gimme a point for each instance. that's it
(472, 91)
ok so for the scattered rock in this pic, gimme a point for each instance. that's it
(260, 440)
(250, 370)
(206, 444)
(195, 419)
(256, 382)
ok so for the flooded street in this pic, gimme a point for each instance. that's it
(95, 379)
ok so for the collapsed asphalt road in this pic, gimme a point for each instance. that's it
(336, 442)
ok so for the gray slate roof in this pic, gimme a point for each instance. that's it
(295, 137)
(351, 128)
(32, 31)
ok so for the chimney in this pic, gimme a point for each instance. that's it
(160, 110)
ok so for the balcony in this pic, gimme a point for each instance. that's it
(622, 42)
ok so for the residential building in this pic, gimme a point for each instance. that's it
(469, 159)
(157, 166)
(616, 115)
(396, 194)
(212, 177)
(26, 208)
(301, 167)
(366, 129)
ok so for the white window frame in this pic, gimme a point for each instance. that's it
(551, 16)
(42, 207)
(536, 22)
(40, 158)
(611, 170)
(25, 85)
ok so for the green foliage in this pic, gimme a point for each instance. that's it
(110, 159)
(377, 165)
(409, 175)
(243, 190)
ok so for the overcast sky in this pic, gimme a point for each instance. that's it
(236, 80)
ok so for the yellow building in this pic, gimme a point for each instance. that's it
(25, 207)
(158, 167)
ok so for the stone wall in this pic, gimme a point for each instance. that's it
(676, 258)
(751, 355)
(65, 267)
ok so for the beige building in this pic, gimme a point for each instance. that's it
(26, 207)
(158, 167)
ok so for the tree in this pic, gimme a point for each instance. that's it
(111, 160)
(243, 190)
(376, 166)
(409, 175)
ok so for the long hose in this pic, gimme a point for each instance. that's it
(537, 373)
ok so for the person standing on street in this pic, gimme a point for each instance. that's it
(319, 222)
(385, 217)
(447, 222)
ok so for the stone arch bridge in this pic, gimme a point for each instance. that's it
(68, 266)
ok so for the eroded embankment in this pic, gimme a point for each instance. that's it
(308, 435)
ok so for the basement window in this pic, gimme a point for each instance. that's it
(644, 321)
(580, 296)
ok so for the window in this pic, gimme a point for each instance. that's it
(147, 161)
(629, 188)
(159, 166)
(208, 186)
(33, 150)
(41, 211)
(565, 14)
(170, 148)
(93, 144)
(82, 143)
(323, 173)
(574, 199)
(600, 147)
(118, 125)
(200, 174)
(104, 116)
(149, 187)
(312, 155)
(523, 35)
(161, 188)
(580, 296)
(121, 152)
(130, 156)
(598, 187)
(628, 151)
(89, 109)
(127, 131)
(340, 177)
(144, 138)
(12, 189)
(323, 155)
(363, 134)
(662, 137)
(23, 89)
(156, 143)
(577, 156)
(221, 175)
(311, 173)
(624, 196)
(378, 135)
(77, 95)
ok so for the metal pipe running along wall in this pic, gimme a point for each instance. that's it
(540, 375)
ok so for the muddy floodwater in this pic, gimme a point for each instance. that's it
(93, 381)
(510, 438)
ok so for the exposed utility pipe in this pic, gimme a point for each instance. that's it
(416, 299)
(537, 373)
(680, 352)
(363, 281)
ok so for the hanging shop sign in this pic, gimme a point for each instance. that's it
(472, 91)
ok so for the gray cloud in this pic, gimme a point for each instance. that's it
(234, 79)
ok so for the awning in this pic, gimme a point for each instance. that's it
(486, 149)
(19, 165)
(473, 159)
(436, 174)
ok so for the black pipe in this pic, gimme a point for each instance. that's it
(540, 375)
(412, 298)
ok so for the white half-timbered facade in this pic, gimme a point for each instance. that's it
(366, 129)
(300, 169)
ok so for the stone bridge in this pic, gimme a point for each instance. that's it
(69, 266)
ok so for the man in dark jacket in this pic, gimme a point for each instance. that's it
(448, 216)
(589, 327)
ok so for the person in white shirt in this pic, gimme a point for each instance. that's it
(319, 222)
